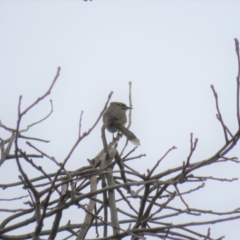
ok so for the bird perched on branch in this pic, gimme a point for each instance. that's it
(115, 118)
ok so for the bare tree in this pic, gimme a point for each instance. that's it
(156, 215)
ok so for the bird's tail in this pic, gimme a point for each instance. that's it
(127, 133)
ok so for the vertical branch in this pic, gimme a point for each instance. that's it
(192, 149)
(130, 105)
(219, 115)
(238, 79)
(105, 155)
(80, 124)
(105, 202)
(57, 219)
(88, 217)
(105, 146)
(111, 192)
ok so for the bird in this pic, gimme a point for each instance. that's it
(115, 118)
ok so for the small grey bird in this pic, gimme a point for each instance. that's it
(115, 118)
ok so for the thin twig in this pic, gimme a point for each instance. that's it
(80, 124)
(44, 95)
(179, 194)
(158, 162)
(219, 115)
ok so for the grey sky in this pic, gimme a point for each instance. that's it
(171, 51)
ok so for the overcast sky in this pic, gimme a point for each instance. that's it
(172, 51)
